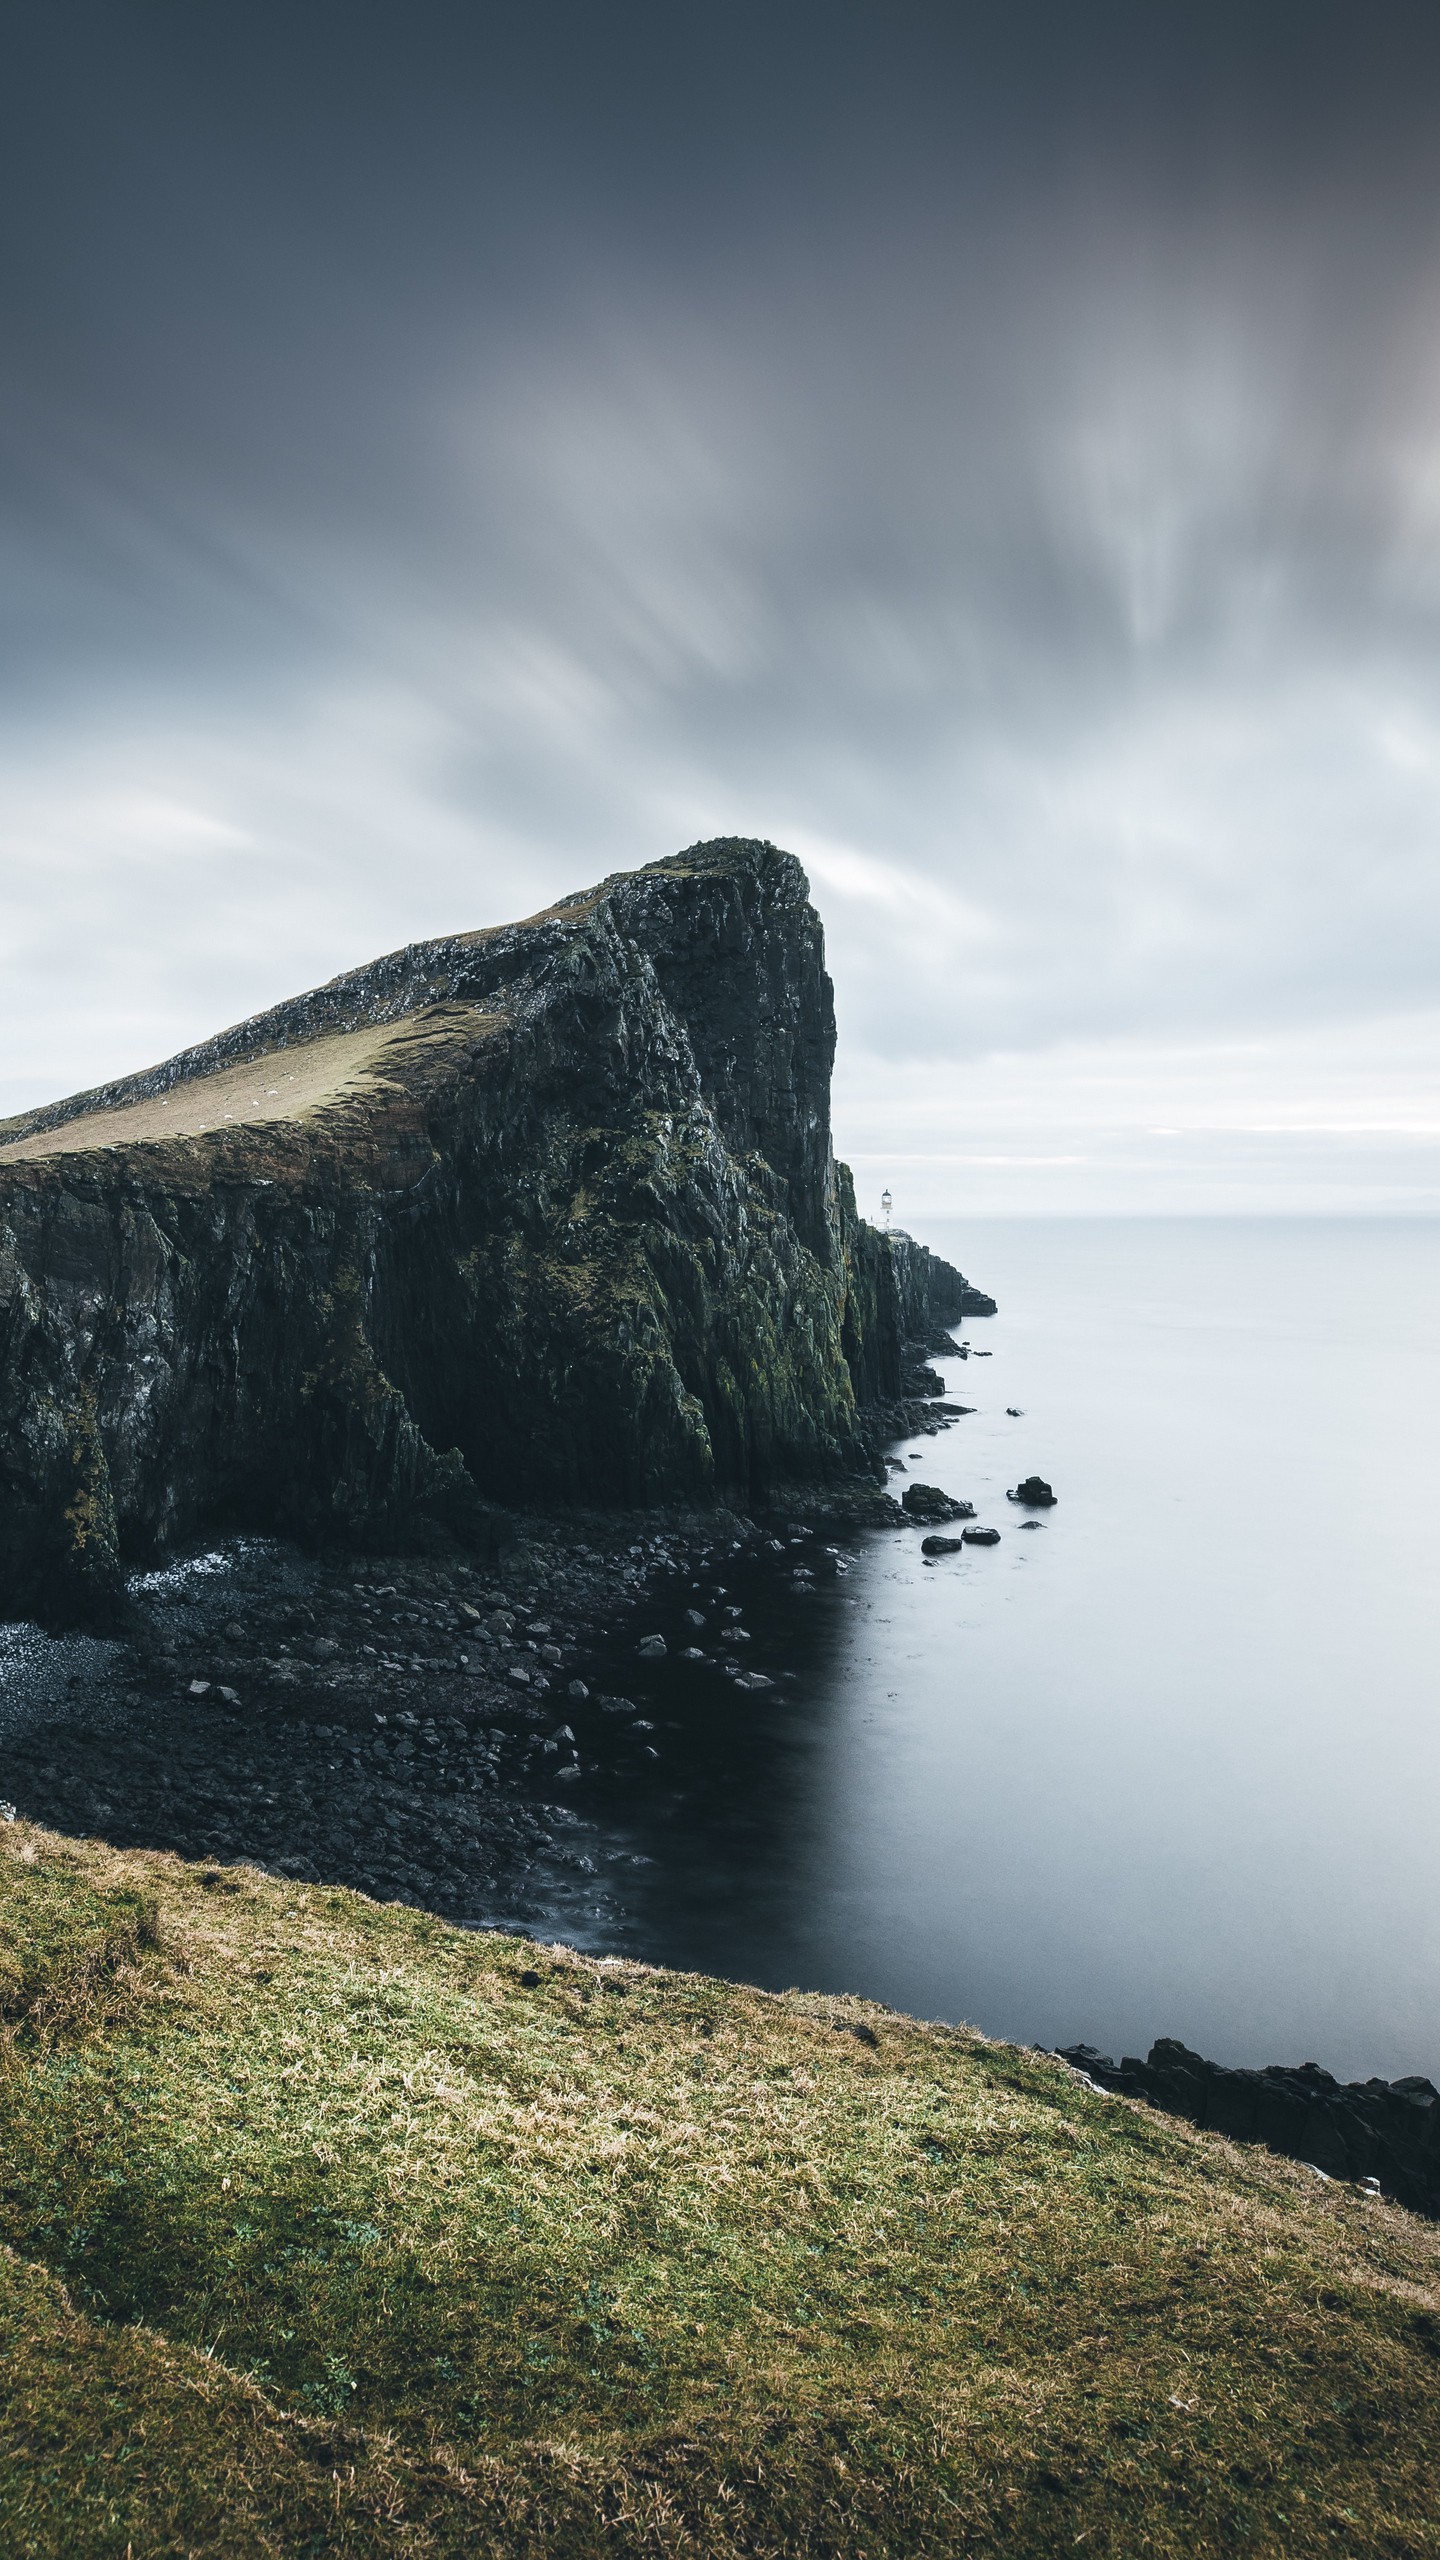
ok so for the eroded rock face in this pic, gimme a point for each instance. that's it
(548, 1212)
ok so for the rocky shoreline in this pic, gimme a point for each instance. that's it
(1380, 2134)
(423, 1728)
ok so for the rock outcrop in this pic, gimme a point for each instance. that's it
(547, 1212)
(1386, 2130)
(927, 1502)
(901, 1300)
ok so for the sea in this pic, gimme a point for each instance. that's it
(1168, 1765)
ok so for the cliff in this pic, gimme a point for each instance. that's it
(900, 1299)
(546, 1212)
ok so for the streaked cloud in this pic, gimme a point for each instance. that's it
(1004, 467)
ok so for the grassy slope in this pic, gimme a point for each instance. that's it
(304, 1081)
(331, 2233)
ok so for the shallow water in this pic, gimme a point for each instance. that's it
(1167, 1765)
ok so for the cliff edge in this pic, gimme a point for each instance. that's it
(546, 1212)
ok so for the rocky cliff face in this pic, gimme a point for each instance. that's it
(547, 1212)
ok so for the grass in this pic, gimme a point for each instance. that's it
(332, 2229)
(295, 1083)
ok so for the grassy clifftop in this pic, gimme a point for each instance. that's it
(333, 2229)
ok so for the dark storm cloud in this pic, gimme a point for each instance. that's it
(448, 452)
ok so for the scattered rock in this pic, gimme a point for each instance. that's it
(941, 1546)
(1016, 1412)
(980, 1537)
(652, 1648)
(1035, 1491)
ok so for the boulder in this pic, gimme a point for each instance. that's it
(941, 1546)
(927, 1502)
(980, 1537)
(1034, 1491)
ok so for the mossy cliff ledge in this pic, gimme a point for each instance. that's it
(546, 1212)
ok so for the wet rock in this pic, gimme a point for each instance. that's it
(941, 1546)
(1034, 1491)
(980, 1537)
(927, 1502)
(652, 1648)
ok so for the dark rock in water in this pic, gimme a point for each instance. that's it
(325, 1274)
(1016, 1412)
(980, 1537)
(1358, 2129)
(1035, 1491)
(927, 1502)
(1032, 1524)
(941, 1546)
(652, 1648)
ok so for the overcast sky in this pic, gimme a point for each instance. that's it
(449, 453)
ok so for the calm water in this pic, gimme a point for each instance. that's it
(1171, 1764)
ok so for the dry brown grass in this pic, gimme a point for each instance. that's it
(292, 1084)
